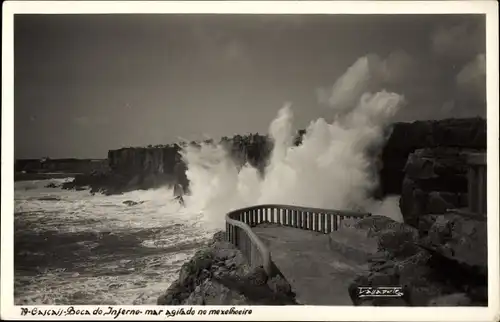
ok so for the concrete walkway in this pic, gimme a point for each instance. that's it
(318, 268)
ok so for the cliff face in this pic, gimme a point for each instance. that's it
(143, 168)
(152, 167)
(148, 167)
(435, 180)
(405, 138)
(135, 168)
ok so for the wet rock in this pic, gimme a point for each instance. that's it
(201, 261)
(211, 292)
(52, 185)
(132, 203)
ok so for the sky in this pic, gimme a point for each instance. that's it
(85, 84)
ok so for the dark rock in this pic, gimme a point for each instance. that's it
(132, 203)
(449, 259)
(201, 260)
(394, 238)
(211, 292)
(279, 284)
(218, 274)
(405, 138)
(255, 288)
(52, 185)
(435, 181)
(459, 237)
(440, 201)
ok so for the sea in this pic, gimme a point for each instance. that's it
(73, 247)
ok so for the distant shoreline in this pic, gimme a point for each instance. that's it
(19, 176)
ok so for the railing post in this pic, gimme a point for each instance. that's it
(329, 222)
(335, 222)
(310, 221)
(323, 222)
(236, 233)
(316, 221)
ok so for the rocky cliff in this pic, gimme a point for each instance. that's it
(435, 180)
(405, 138)
(218, 274)
(143, 168)
(155, 166)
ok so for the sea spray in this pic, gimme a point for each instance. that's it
(335, 166)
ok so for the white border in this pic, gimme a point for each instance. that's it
(490, 8)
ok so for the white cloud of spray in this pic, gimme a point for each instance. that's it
(332, 168)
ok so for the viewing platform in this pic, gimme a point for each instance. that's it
(319, 267)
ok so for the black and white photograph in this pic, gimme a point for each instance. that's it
(250, 159)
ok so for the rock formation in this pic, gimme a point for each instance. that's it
(218, 274)
(405, 138)
(153, 167)
(150, 167)
(440, 268)
(435, 180)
